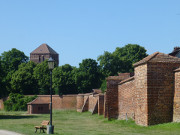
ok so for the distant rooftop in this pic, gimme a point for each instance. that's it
(175, 51)
(44, 49)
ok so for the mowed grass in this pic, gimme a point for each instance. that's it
(75, 123)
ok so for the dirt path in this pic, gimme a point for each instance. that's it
(5, 132)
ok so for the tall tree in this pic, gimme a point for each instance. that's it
(3, 91)
(41, 74)
(110, 64)
(64, 79)
(130, 53)
(88, 76)
(10, 61)
(23, 80)
(121, 60)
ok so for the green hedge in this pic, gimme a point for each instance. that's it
(17, 102)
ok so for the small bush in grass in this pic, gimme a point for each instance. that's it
(17, 102)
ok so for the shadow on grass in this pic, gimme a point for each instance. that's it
(16, 117)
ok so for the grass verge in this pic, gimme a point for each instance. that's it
(74, 123)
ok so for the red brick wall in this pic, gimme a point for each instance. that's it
(154, 92)
(126, 99)
(80, 102)
(111, 103)
(160, 92)
(101, 104)
(111, 98)
(56, 100)
(141, 111)
(69, 101)
(39, 108)
(90, 104)
(176, 106)
(59, 102)
(92, 101)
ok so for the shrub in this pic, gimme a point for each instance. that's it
(17, 102)
(103, 86)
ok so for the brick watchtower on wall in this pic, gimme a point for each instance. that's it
(44, 52)
(154, 82)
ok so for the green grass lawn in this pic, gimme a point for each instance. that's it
(74, 123)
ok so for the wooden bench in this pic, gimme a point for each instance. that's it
(43, 126)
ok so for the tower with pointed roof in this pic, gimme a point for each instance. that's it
(42, 53)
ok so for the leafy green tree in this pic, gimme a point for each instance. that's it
(121, 60)
(17, 102)
(110, 64)
(3, 91)
(10, 61)
(64, 79)
(88, 76)
(41, 74)
(130, 53)
(23, 80)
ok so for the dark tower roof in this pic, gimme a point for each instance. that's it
(44, 49)
(175, 51)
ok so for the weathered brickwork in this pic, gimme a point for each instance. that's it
(101, 104)
(147, 97)
(111, 105)
(80, 102)
(91, 102)
(69, 102)
(38, 108)
(111, 96)
(93, 99)
(176, 106)
(141, 111)
(160, 92)
(58, 102)
(42, 53)
(126, 99)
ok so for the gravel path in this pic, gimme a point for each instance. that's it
(5, 132)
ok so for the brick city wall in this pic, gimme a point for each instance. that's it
(87, 102)
(38, 108)
(141, 111)
(126, 99)
(60, 102)
(111, 96)
(176, 105)
(93, 99)
(111, 103)
(160, 90)
(101, 104)
(80, 102)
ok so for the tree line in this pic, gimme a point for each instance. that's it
(19, 75)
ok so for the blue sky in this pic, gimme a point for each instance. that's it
(80, 29)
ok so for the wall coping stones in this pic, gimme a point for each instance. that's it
(70, 95)
(146, 59)
(127, 80)
(158, 57)
(114, 78)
